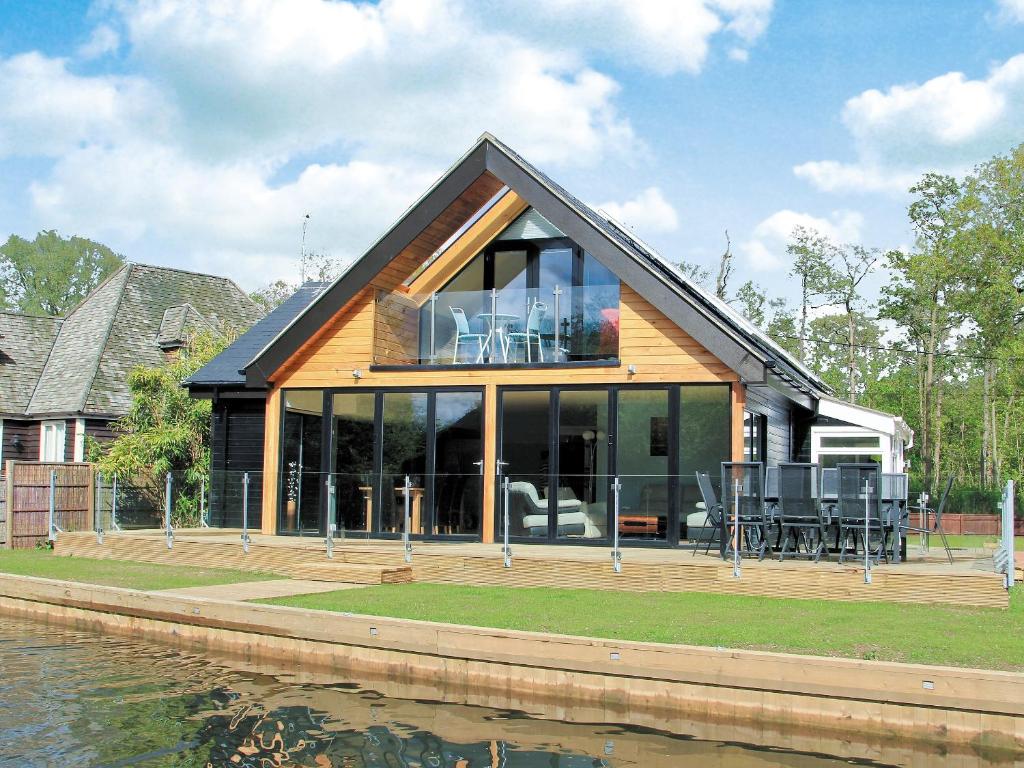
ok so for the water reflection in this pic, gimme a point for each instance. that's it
(71, 698)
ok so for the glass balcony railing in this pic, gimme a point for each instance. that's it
(519, 326)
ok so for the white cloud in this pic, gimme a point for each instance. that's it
(1010, 11)
(765, 249)
(103, 40)
(948, 124)
(647, 212)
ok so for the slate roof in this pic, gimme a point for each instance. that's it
(225, 370)
(119, 326)
(25, 343)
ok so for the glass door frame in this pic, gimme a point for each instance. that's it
(327, 459)
(674, 413)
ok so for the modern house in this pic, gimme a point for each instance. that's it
(63, 379)
(503, 339)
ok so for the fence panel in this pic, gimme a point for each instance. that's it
(3, 510)
(29, 501)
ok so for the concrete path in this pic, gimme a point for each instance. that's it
(260, 590)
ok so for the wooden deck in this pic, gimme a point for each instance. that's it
(970, 581)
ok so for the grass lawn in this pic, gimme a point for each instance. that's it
(976, 637)
(118, 573)
(966, 541)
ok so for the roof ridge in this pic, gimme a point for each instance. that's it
(196, 273)
(28, 316)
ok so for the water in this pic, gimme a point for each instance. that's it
(71, 698)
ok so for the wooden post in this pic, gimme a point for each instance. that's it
(489, 457)
(9, 523)
(739, 402)
(271, 447)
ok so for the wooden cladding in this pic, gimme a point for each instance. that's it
(396, 334)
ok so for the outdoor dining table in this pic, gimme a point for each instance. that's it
(497, 323)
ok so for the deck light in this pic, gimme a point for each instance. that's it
(357, 374)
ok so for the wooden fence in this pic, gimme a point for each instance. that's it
(27, 508)
(981, 525)
(3, 509)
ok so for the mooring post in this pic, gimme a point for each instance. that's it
(405, 528)
(506, 550)
(52, 529)
(867, 532)
(168, 532)
(245, 513)
(737, 571)
(616, 553)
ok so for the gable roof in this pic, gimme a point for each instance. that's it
(25, 343)
(712, 323)
(86, 359)
(225, 370)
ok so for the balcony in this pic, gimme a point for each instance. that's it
(507, 327)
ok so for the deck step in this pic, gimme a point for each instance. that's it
(351, 573)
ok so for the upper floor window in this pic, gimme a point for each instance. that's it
(532, 296)
(51, 443)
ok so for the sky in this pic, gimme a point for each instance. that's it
(200, 134)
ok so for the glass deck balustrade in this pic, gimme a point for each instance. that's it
(510, 326)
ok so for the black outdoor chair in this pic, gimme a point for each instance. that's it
(799, 510)
(712, 508)
(860, 509)
(895, 486)
(752, 519)
(936, 526)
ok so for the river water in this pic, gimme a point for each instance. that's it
(71, 698)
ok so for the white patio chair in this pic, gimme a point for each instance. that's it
(464, 335)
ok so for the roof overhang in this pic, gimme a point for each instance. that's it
(686, 308)
(868, 418)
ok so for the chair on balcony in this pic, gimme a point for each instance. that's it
(743, 505)
(799, 510)
(464, 336)
(531, 334)
(936, 526)
(860, 510)
(712, 512)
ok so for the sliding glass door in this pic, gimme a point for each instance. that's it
(642, 462)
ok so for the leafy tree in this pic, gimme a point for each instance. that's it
(695, 273)
(51, 274)
(316, 267)
(165, 430)
(813, 259)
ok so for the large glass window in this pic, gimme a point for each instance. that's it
(301, 479)
(458, 457)
(525, 455)
(403, 453)
(551, 302)
(582, 492)
(643, 441)
(353, 460)
(704, 443)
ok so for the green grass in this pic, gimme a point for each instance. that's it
(118, 573)
(966, 541)
(976, 637)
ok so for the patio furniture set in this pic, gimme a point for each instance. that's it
(502, 335)
(803, 510)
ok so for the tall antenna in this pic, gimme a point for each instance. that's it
(302, 251)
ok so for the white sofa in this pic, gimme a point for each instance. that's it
(575, 518)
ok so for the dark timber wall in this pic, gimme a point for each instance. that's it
(236, 447)
(779, 411)
(28, 432)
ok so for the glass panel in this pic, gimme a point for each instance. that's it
(641, 462)
(404, 446)
(301, 436)
(582, 494)
(753, 436)
(525, 451)
(849, 441)
(556, 275)
(704, 443)
(830, 460)
(353, 460)
(458, 484)
(466, 292)
(596, 313)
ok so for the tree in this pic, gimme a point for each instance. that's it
(813, 256)
(51, 274)
(317, 267)
(724, 269)
(854, 263)
(165, 430)
(695, 273)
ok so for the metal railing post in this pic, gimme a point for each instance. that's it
(202, 504)
(168, 531)
(52, 528)
(433, 331)
(867, 532)
(558, 345)
(407, 543)
(331, 524)
(245, 513)
(923, 520)
(616, 553)
(98, 507)
(1004, 555)
(494, 323)
(737, 570)
(113, 505)
(506, 550)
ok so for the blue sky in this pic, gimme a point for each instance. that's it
(198, 135)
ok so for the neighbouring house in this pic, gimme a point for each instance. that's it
(508, 351)
(63, 379)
